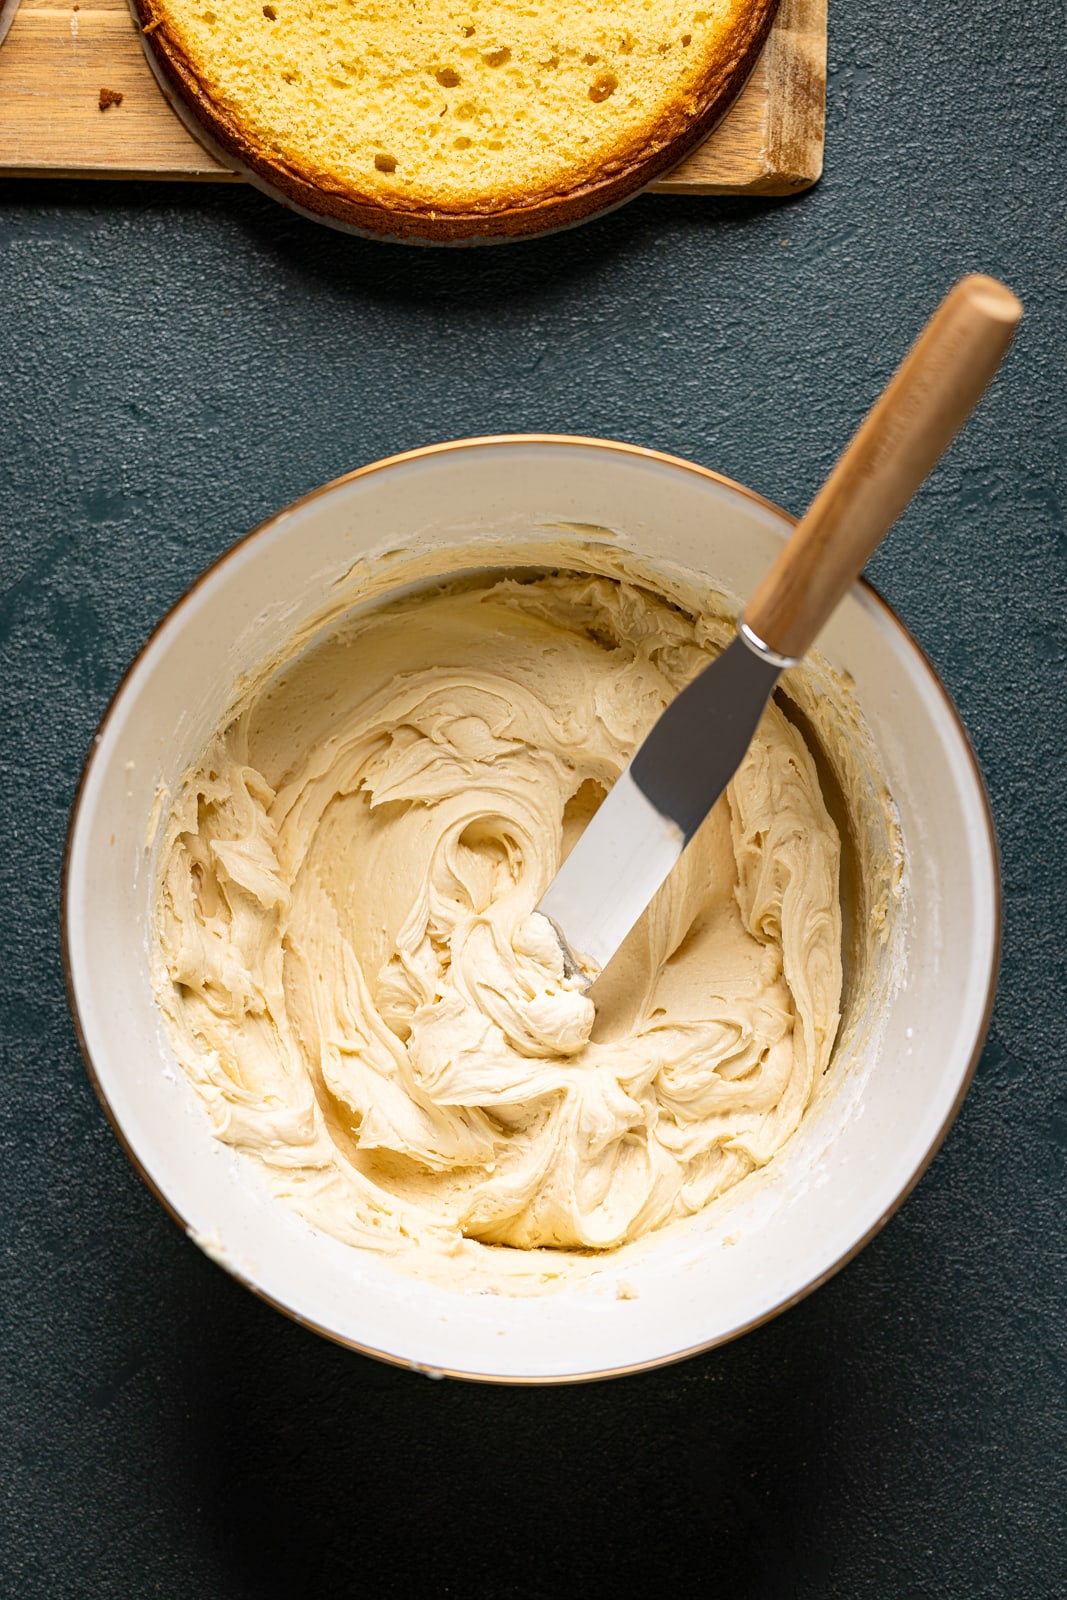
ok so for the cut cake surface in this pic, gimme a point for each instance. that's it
(453, 119)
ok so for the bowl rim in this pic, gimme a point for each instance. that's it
(404, 458)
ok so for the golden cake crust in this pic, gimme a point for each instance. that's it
(679, 126)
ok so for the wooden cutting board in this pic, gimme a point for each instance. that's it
(61, 54)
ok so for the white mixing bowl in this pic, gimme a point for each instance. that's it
(910, 1041)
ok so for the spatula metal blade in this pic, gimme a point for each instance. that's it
(656, 806)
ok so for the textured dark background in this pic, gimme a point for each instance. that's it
(177, 362)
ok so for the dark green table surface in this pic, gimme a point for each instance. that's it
(176, 363)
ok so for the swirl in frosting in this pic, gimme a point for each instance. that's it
(358, 990)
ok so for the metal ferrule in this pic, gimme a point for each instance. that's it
(760, 648)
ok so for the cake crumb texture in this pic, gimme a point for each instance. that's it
(454, 105)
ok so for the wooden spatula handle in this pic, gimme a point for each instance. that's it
(927, 401)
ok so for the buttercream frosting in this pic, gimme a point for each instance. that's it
(355, 984)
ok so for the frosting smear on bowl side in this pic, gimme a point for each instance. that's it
(345, 952)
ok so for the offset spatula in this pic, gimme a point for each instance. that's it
(685, 763)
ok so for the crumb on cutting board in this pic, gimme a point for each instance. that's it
(110, 97)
